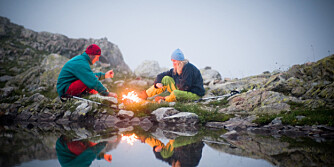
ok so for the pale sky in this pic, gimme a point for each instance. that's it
(238, 38)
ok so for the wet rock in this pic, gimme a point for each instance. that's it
(177, 130)
(125, 129)
(186, 118)
(231, 135)
(5, 78)
(261, 131)
(160, 113)
(24, 115)
(46, 116)
(125, 114)
(111, 120)
(63, 121)
(123, 123)
(146, 124)
(135, 121)
(219, 125)
(6, 91)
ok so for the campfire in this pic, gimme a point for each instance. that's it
(130, 139)
(131, 97)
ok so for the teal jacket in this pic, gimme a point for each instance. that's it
(85, 159)
(78, 69)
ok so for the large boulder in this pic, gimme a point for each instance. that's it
(168, 115)
(210, 76)
(148, 69)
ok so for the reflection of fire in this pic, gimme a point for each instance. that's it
(131, 97)
(129, 138)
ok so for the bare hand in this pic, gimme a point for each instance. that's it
(112, 94)
(109, 74)
(159, 85)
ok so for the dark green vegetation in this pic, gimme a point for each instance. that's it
(318, 116)
(204, 115)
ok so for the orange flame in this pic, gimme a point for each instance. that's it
(131, 96)
(130, 139)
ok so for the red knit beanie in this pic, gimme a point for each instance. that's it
(93, 49)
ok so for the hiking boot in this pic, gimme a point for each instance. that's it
(143, 95)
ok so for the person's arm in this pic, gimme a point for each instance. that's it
(86, 75)
(100, 75)
(161, 75)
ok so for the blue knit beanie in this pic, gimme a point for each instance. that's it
(177, 55)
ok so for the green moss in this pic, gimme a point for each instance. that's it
(2, 84)
(318, 116)
(50, 93)
(204, 115)
(265, 119)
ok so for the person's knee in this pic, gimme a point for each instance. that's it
(167, 78)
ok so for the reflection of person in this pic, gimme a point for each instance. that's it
(185, 151)
(79, 153)
(184, 81)
(185, 156)
(76, 77)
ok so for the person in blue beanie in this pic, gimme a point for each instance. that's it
(184, 81)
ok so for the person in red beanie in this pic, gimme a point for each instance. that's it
(77, 78)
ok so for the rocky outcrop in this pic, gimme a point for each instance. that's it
(148, 69)
(210, 76)
(20, 42)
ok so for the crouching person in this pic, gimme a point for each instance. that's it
(77, 78)
(184, 81)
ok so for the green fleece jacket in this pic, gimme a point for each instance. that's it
(78, 69)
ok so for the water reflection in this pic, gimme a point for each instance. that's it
(79, 153)
(155, 147)
(178, 152)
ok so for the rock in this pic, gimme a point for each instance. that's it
(160, 113)
(135, 121)
(125, 114)
(148, 69)
(100, 98)
(277, 121)
(146, 124)
(300, 117)
(5, 78)
(231, 135)
(119, 83)
(37, 98)
(140, 83)
(81, 110)
(210, 76)
(6, 91)
(126, 129)
(186, 118)
(111, 120)
(123, 123)
(46, 116)
(218, 125)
